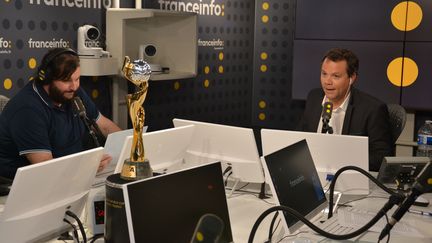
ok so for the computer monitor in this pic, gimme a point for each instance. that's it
(165, 149)
(294, 183)
(168, 207)
(41, 194)
(330, 152)
(113, 146)
(400, 172)
(234, 146)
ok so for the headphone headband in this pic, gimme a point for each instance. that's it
(42, 73)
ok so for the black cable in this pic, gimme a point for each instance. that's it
(95, 237)
(271, 226)
(393, 200)
(75, 232)
(336, 175)
(227, 169)
(226, 180)
(80, 225)
(388, 235)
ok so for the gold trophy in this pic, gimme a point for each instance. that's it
(137, 166)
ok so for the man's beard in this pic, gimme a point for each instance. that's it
(58, 96)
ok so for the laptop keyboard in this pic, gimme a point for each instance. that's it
(333, 226)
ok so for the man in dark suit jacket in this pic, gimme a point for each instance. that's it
(354, 112)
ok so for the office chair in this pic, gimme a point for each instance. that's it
(3, 101)
(398, 118)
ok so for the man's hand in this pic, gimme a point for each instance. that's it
(106, 159)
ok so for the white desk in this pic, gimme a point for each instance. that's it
(245, 209)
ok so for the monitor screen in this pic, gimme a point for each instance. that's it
(168, 208)
(41, 194)
(295, 182)
(330, 152)
(400, 172)
(165, 149)
(234, 146)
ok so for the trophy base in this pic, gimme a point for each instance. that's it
(132, 171)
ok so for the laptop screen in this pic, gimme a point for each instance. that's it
(167, 208)
(295, 182)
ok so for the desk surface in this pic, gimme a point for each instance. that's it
(245, 208)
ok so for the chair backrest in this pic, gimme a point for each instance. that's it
(3, 101)
(397, 120)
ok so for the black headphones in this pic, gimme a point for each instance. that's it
(45, 69)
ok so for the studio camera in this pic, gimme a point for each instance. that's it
(88, 43)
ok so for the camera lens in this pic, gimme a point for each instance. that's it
(93, 33)
(150, 50)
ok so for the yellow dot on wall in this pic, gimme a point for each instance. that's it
(261, 116)
(264, 18)
(262, 104)
(263, 55)
(32, 63)
(95, 93)
(206, 69)
(410, 71)
(265, 6)
(95, 78)
(221, 56)
(263, 68)
(206, 83)
(7, 83)
(176, 85)
(399, 16)
(221, 69)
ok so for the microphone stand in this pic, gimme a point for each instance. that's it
(88, 124)
(326, 128)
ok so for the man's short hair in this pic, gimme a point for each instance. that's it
(340, 54)
(57, 64)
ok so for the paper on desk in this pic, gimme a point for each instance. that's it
(358, 218)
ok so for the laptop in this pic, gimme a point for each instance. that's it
(113, 145)
(330, 152)
(41, 193)
(170, 207)
(294, 183)
(165, 149)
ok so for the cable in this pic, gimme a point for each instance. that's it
(226, 180)
(95, 237)
(393, 200)
(80, 225)
(271, 226)
(333, 183)
(75, 232)
(388, 235)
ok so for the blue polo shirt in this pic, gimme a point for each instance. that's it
(31, 123)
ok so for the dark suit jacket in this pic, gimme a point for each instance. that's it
(365, 116)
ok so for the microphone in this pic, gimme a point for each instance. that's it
(92, 127)
(326, 115)
(423, 184)
(208, 230)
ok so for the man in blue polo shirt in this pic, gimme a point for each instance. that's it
(39, 123)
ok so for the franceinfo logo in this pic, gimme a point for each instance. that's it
(95, 4)
(201, 7)
(43, 44)
(5, 46)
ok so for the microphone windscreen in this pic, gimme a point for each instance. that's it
(327, 110)
(78, 106)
